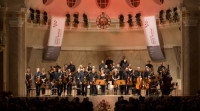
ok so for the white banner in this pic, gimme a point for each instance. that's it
(56, 31)
(150, 30)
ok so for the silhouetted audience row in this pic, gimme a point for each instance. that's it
(162, 103)
(9, 103)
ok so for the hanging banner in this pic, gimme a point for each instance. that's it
(151, 33)
(55, 39)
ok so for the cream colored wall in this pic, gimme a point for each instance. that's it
(38, 38)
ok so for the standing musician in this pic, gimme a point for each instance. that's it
(59, 81)
(102, 65)
(107, 72)
(43, 80)
(126, 77)
(160, 68)
(28, 78)
(125, 64)
(166, 86)
(115, 77)
(52, 74)
(85, 82)
(69, 82)
(37, 81)
(109, 63)
(64, 78)
(71, 67)
(78, 81)
(103, 77)
(93, 77)
(89, 68)
(149, 64)
(138, 75)
(133, 78)
(148, 77)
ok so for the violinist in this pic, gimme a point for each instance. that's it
(103, 77)
(78, 81)
(43, 80)
(148, 77)
(84, 79)
(64, 78)
(28, 78)
(133, 78)
(59, 81)
(69, 82)
(115, 77)
(52, 74)
(126, 77)
(93, 77)
(37, 81)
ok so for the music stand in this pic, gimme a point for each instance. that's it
(121, 82)
(100, 82)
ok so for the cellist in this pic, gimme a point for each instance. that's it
(115, 77)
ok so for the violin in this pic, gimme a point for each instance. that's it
(129, 81)
(93, 81)
(38, 80)
(43, 85)
(85, 81)
(70, 81)
(60, 81)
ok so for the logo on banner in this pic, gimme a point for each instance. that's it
(57, 41)
(55, 23)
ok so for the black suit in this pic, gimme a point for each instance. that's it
(69, 86)
(59, 85)
(93, 88)
(36, 76)
(78, 79)
(84, 87)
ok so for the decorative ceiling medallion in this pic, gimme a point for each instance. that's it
(133, 3)
(44, 1)
(73, 3)
(103, 3)
(103, 21)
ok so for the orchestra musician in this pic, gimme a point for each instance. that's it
(43, 80)
(148, 77)
(122, 61)
(126, 87)
(37, 81)
(109, 63)
(78, 81)
(125, 64)
(102, 65)
(71, 67)
(138, 75)
(149, 64)
(93, 77)
(166, 86)
(160, 68)
(115, 77)
(103, 77)
(133, 78)
(106, 72)
(28, 78)
(59, 81)
(89, 68)
(84, 79)
(64, 78)
(52, 74)
(69, 82)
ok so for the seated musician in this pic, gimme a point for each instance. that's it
(78, 81)
(28, 78)
(59, 81)
(93, 77)
(138, 75)
(103, 77)
(69, 82)
(115, 77)
(43, 80)
(84, 79)
(37, 81)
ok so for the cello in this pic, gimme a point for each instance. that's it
(139, 83)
